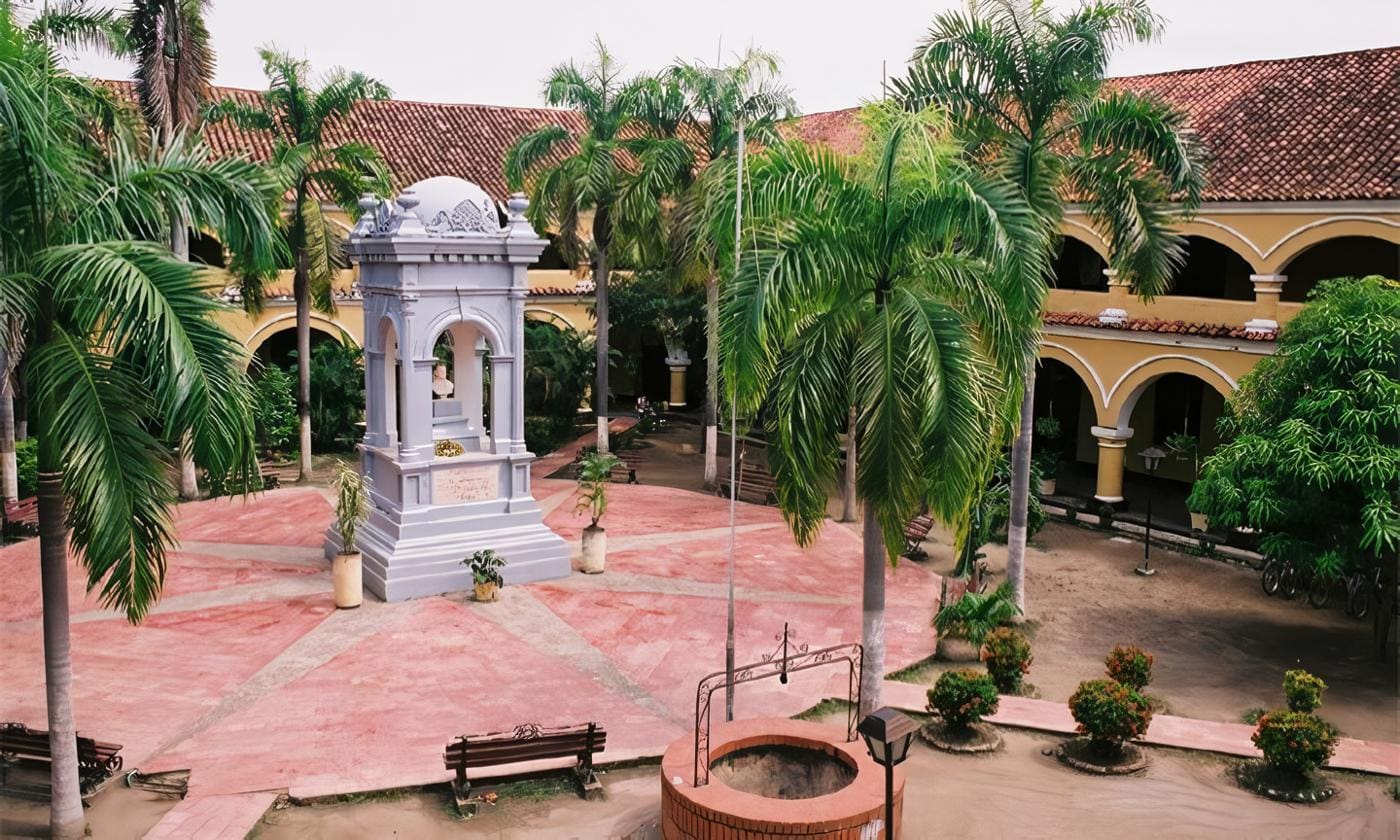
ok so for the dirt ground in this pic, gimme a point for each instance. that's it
(117, 813)
(1221, 645)
(1017, 792)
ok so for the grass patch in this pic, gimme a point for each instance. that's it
(922, 672)
(824, 709)
(389, 795)
(1251, 716)
(1393, 789)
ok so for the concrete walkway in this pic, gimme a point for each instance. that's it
(1165, 731)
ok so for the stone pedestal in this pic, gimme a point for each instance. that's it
(1113, 444)
(678, 368)
(1267, 289)
(447, 477)
(1115, 313)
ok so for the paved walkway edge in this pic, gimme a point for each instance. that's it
(217, 817)
(1166, 730)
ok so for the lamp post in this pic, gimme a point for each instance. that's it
(887, 735)
(1151, 458)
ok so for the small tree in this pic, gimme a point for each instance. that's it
(1314, 455)
(351, 506)
(963, 698)
(1008, 658)
(1131, 666)
(593, 472)
(1294, 742)
(1109, 713)
(1302, 690)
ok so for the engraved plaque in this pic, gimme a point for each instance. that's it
(465, 484)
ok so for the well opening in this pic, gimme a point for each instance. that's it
(783, 771)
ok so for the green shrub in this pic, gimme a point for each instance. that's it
(975, 615)
(1008, 658)
(274, 408)
(963, 697)
(1294, 741)
(337, 395)
(543, 435)
(1302, 690)
(1129, 665)
(1109, 712)
(27, 467)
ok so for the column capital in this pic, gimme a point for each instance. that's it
(1111, 436)
(1113, 278)
(1268, 284)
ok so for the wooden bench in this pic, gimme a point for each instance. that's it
(97, 761)
(915, 533)
(756, 485)
(527, 742)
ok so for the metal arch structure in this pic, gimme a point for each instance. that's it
(787, 660)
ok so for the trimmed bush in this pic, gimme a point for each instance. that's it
(963, 697)
(1294, 741)
(1302, 690)
(1109, 712)
(1008, 658)
(1129, 665)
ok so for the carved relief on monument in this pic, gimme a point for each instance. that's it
(466, 484)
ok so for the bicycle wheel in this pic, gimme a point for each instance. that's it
(1269, 579)
(1319, 590)
(1359, 602)
(1289, 582)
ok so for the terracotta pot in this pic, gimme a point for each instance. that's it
(957, 650)
(595, 550)
(1047, 487)
(346, 579)
(1199, 521)
(487, 591)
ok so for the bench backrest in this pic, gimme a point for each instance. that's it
(29, 743)
(525, 743)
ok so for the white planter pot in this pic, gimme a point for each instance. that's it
(595, 550)
(1047, 487)
(1199, 521)
(345, 576)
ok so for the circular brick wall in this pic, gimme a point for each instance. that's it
(719, 812)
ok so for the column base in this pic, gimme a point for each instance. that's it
(1260, 327)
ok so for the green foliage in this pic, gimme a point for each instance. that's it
(1294, 741)
(976, 614)
(1008, 657)
(1302, 690)
(1131, 666)
(651, 300)
(1047, 428)
(485, 566)
(543, 435)
(558, 369)
(351, 505)
(275, 409)
(337, 395)
(593, 471)
(27, 467)
(989, 513)
(1109, 712)
(1314, 435)
(963, 697)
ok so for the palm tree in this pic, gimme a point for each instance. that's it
(121, 351)
(718, 100)
(174, 70)
(299, 114)
(1025, 88)
(875, 282)
(617, 167)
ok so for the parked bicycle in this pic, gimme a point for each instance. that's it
(1290, 579)
(1364, 588)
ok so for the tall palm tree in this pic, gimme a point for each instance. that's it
(718, 100)
(121, 351)
(1025, 88)
(617, 168)
(174, 71)
(300, 115)
(873, 281)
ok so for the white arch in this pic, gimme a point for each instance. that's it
(1103, 394)
(1125, 411)
(318, 322)
(1301, 229)
(471, 315)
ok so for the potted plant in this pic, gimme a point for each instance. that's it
(964, 624)
(593, 471)
(1047, 455)
(486, 568)
(351, 508)
(1186, 446)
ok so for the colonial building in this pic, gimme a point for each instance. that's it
(1304, 184)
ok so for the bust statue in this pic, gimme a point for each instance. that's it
(442, 386)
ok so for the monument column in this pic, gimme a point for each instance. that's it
(376, 424)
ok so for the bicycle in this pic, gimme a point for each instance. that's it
(1292, 579)
(1363, 588)
(1271, 576)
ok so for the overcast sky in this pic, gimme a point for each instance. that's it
(497, 52)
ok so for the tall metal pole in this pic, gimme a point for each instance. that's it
(733, 444)
(889, 800)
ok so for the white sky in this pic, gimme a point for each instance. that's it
(497, 52)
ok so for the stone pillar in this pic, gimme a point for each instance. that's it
(1267, 288)
(1115, 312)
(1113, 446)
(376, 410)
(517, 392)
(416, 435)
(502, 422)
(678, 367)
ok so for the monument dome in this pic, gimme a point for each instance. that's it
(451, 206)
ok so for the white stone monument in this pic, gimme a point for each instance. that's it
(439, 273)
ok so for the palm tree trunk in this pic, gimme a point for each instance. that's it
(1020, 493)
(848, 493)
(66, 808)
(8, 463)
(600, 388)
(189, 482)
(872, 624)
(301, 290)
(711, 381)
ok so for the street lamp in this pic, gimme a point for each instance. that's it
(887, 735)
(1151, 458)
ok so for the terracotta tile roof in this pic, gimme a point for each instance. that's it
(1323, 127)
(1153, 325)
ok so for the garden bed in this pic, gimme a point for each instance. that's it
(1282, 785)
(1080, 754)
(971, 739)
